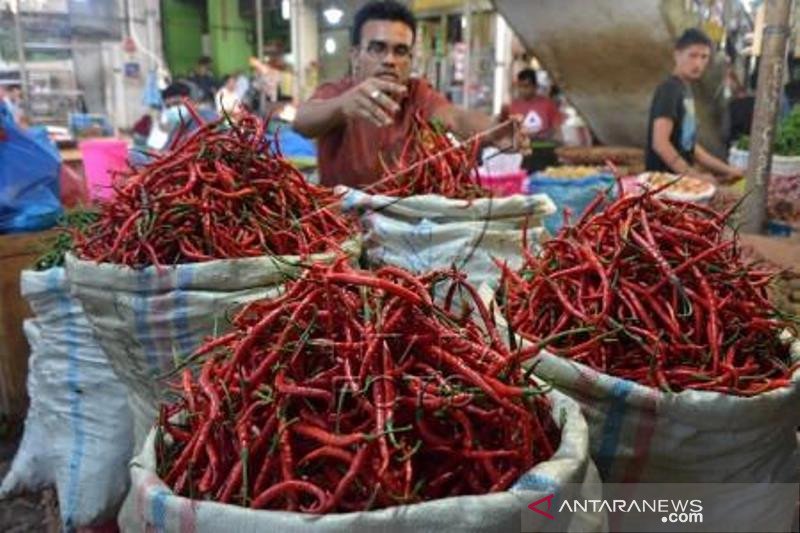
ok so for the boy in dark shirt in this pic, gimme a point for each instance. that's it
(672, 127)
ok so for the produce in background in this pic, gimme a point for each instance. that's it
(72, 221)
(787, 136)
(354, 391)
(454, 174)
(222, 192)
(677, 187)
(572, 171)
(673, 183)
(655, 291)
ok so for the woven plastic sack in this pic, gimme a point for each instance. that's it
(78, 433)
(145, 319)
(429, 232)
(639, 434)
(782, 165)
(783, 196)
(152, 506)
(575, 194)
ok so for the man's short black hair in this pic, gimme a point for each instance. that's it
(176, 89)
(691, 37)
(529, 75)
(382, 10)
(204, 60)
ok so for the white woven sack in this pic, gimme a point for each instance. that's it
(78, 427)
(152, 506)
(782, 165)
(639, 434)
(145, 319)
(429, 232)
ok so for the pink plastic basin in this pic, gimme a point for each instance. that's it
(101, 157)
(505, 184)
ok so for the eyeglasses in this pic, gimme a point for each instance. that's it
(380, 49)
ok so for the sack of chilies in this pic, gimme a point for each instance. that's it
(341, 406)
(653, 321)
(217, 220)
(144, 319)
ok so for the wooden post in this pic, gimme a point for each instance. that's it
(768, 92)
(17, 252)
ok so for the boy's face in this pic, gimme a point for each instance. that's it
(692, 61)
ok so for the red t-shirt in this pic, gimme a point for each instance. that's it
(348, 154)
(539, 114)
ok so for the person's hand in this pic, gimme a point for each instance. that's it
(373, 100)
(513, 137)
(733, 175)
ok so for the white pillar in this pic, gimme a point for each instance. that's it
(502, 60)
(305, 43)
(468, 56)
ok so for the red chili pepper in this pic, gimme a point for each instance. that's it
(360, 385)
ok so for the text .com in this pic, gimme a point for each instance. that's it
(683, 518)
(671, 511)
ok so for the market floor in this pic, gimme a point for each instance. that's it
(29, 513)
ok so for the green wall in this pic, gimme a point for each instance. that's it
(183, 23)
(231, 36)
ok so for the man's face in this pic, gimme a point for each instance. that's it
(384, 52)
(525, 89)
(691, 62)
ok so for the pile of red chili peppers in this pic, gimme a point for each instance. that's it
(354, 391)
(654, 291)
(431, 163)
(221, 192)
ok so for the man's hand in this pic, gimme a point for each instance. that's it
(513, 137)
(374, 100)
(733, 175)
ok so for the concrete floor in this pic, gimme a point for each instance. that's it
(27, 513)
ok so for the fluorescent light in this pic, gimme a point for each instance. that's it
(333, 15)
(286, 9)
(330, 46)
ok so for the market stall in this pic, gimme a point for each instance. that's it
(220, 341)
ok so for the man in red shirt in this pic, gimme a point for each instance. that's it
(539, 114)
(371, 112)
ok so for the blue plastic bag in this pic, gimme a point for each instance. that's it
(295, 145)
(30, 167)
(576, 194)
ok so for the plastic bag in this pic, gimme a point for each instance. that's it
(29, 179)
(575, 194)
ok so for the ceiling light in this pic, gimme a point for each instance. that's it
(330, 46)
(333, 15)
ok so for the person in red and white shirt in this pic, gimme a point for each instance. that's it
(370, 114)
(539, 115)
